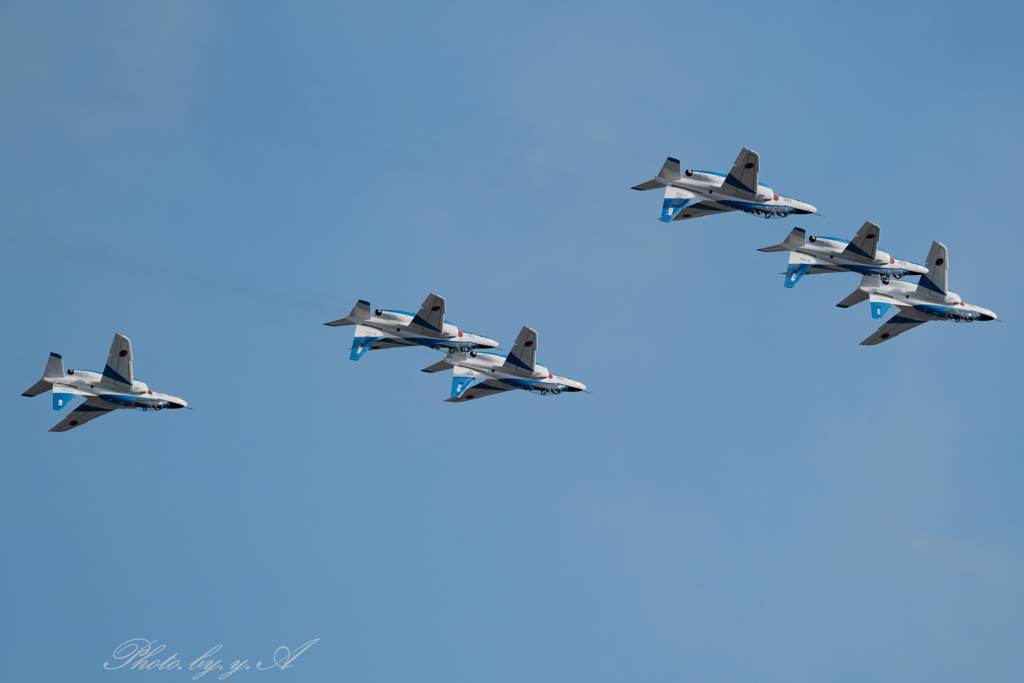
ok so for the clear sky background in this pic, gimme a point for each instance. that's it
(746, 495)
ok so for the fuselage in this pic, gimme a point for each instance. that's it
(950, 307)
(88, 383)
(490, 364)
(398, 324)
(708, 185)
(828, 251)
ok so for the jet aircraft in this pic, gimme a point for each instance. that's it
(814, 255)
(518, 370)
(917, 304)
(383, 329)
(115, 388)
(703, 193)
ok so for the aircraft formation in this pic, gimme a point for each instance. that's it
(694, 194)
(478, 372)
(475, 373)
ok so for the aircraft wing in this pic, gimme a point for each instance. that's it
(488, 388)
(90, 410)
(865, 245)
(430, 319)
(119, 362)
(742, 179)
(705, 208)
(906, 319)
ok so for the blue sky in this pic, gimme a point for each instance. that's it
(747, 494)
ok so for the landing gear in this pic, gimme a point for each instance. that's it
(885, 279)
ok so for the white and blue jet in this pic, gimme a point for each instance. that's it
(484, 373)
(814, 255)
(383, 329)
(114, 389)
(929, 300)
(703, 193)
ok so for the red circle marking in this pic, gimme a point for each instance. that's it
(885, 336)
(550, 376)
(124, 352)
(151, 393)
(938, 262)
(73, 423)
(460, 333)
(776, 197)
(529, 343)
(750, 165)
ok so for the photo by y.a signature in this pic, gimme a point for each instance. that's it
(140, 654)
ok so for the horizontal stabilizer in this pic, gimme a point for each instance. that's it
(853, 299)
(54, 367)
(40, 387)
(796, 238)
(440, 366)
(670, 170)
(54, 370)
(650, 185)
(361, 311)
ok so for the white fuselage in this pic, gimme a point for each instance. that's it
(88, 383)
(905, 294)
(711, 186)
(490, 364)
(828, 252)
(396, 324)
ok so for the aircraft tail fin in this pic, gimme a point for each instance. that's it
(675, 199)
(743, 176)
(669, 171)
(864, 246)
(796, 238)
(462, 378)
(935, 283)
(361, 311)
(523, 357)
(54, 370)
